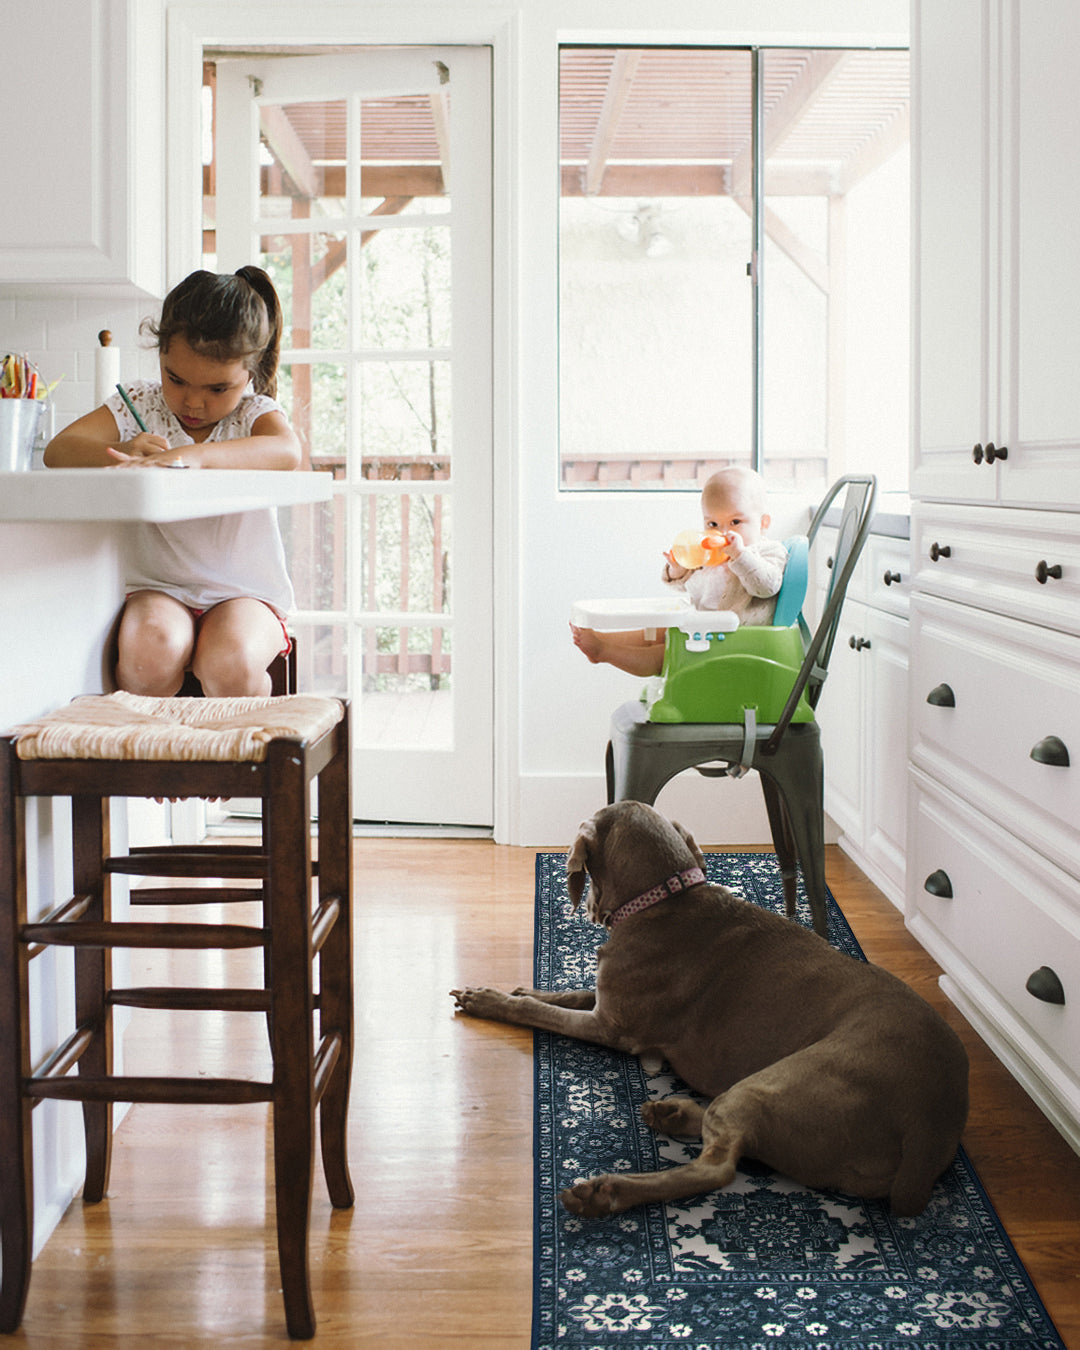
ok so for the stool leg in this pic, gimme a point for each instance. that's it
(286, 839)
(90, 845)
(335, 965)
(16, 1158)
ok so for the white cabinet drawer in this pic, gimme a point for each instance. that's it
(882, 577)
(1000, 688)
(886, 574)
(989, 907)
(993, 559)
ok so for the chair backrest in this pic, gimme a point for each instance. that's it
(792, 593)
(856, 513)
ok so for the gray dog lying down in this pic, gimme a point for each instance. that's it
(823, 1067)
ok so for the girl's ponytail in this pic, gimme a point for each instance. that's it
(264, 373)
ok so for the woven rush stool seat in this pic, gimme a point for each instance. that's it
(277, 749)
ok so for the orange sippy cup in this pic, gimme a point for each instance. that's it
(693, 549)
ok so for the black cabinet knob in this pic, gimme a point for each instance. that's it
(939, 551)
(938, 883)
(1044, 573)
(995, 452)
(1051, 750)
(890, 577)
(1044, 985)
(977, 453)
(941, 696)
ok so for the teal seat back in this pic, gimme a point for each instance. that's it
(792, 593)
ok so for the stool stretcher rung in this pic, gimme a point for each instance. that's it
(68, 912)
(191, 999)
(326, 1056)
(194, 895)
(163, 1091)
(166, 936)
(188, 863)
(65, 1056)
(325, 918)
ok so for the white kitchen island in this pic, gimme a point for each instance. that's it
(61, 590)
(61, 541)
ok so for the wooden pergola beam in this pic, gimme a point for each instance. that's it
(798, 98)
(620, 80)
(289, 150)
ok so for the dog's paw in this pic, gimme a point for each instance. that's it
(480, 1002)
(592, 1199)
(675, 1116)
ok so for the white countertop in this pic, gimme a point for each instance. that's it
(152, 494)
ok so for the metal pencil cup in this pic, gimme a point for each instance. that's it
(19, 422)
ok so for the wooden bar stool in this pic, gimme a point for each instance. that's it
(118, 745)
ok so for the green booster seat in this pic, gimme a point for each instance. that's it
(714, 670)
(713, 674)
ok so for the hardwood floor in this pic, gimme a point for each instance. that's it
(438, 1250)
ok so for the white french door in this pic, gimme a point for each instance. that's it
(361, 180)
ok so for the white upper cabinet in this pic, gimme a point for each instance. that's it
(998, 281)
(83, 203)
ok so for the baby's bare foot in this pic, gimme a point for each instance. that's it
(588, 641)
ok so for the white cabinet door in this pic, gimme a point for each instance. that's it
(83, 85)
(841, 718)
(1043, 467)
(956, 318)
(885, 758)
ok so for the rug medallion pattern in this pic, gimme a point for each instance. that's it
(765, 1262)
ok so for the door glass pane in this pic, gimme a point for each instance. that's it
(405, 561)
(404, 414)
(655, 234)
(405, 288)
(405, 142)
(310, 276)
(835, 276)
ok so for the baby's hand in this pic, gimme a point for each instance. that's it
(734, 544)
(673, 571)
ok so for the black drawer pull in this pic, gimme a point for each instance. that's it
(857, 644)
(1044, 984)
(939, 884)
(1044, 573)
(995, 452)
(941, 696)
(977, 452)
(890, 577)
(939, 551)
(1051, 750)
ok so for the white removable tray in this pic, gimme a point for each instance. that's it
(653, 612)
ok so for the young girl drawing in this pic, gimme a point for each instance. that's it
(207, 595)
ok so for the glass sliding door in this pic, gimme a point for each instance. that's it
(714, 312)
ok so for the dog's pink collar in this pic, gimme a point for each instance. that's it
(681, 881)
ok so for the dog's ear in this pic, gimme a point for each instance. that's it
(690, 842)
(577, 862)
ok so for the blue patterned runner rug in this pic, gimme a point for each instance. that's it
(765, 1262)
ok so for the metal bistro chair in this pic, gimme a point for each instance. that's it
(643, 754)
